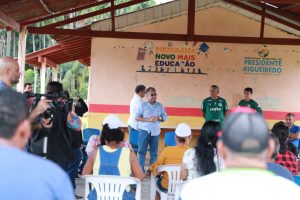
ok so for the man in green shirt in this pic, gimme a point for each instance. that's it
(248, 102)
(214, 107)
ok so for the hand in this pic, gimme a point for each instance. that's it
(46, 123)
(42, 106)
(153, 119)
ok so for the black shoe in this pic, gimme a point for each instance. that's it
(78, 197)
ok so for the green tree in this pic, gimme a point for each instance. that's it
(76, 80)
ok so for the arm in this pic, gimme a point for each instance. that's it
(159, 161)
(73, 120)
(257, 108)
(151, 119)
(204, 108)
(139, 116)
(164, 115)
(294, 136)
(88, 167)
(183, 172)
(41, 107)
(135, 166)
(225, 107)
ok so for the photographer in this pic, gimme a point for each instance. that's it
(53, 140)
(74, 125)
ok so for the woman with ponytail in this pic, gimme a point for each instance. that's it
(203, 159)
(112, 158)
(285, 157)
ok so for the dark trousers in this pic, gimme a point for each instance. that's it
(73, 165)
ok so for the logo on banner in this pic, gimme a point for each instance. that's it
(262, 64)
(170, 59)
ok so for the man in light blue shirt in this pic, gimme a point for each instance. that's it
(25, 176)
(149, 115)
(294, 135)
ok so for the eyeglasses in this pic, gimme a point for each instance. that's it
(153, 94)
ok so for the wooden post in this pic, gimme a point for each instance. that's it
(35, 79)
(43, 76)
(55, 73)
(21, 57)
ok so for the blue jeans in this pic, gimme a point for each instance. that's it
(84, 159)
(146, 139)
(74, 165)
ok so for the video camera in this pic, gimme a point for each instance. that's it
(65, 106)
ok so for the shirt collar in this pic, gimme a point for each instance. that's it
(4, 84)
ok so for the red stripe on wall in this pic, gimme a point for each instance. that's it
(172, 111)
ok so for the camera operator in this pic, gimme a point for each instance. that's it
(53, 140)
(74, 125)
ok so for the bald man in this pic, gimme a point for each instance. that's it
(9, 72)
(10, 75)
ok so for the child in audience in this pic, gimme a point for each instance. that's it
(95, 140)
(172, 155)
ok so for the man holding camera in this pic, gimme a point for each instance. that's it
(54, 140)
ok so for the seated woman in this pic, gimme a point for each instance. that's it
(112, 158)
(95, 140)
(172, 155)
(203, 159)
(284, 157)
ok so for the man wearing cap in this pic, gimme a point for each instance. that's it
(214, 107)
(294, 135)
(149, 115)
(172, 154)
(245, 146)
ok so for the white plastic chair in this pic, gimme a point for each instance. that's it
(179, 187)
(111, 187)
(174, 179)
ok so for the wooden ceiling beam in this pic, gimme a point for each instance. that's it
(9, 22)
(191, 18)
(259, 12)
(92, 14)
(166, 36)
(86, 6)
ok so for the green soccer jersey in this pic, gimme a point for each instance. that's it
(214, 109)
(250, 104)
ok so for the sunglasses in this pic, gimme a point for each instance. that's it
(153, 94)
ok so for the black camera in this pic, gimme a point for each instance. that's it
(49, 112)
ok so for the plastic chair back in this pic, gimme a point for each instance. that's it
(111, 187)
(170, 139)
(297, 180)
(87, 133)
(179, 187)
(174, 179)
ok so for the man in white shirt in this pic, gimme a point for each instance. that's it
(135, 103)
(245, 145)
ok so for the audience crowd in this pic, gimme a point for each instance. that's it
(236, 155)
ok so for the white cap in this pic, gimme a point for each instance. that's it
(113, 121)
(183, 130)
